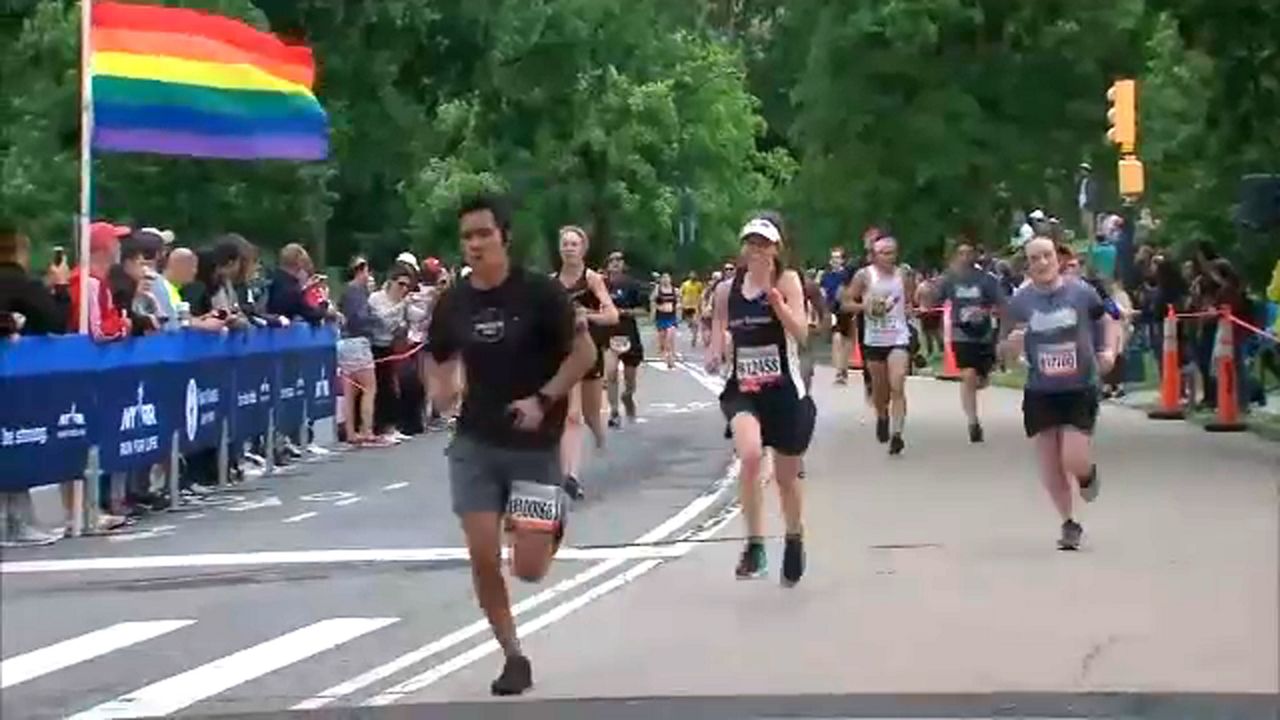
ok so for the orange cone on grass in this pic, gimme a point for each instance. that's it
(1170, 374)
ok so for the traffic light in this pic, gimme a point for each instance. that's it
(1123, 115)
(1132, 177)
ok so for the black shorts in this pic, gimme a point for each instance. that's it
(975, 356)
(786, 421)
(632, 356)
(844, 324)
(1047, 410)
(873, 353)
(689, 314)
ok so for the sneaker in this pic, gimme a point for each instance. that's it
(318, 451)
(615, 422)
(573, 488)
(1071, 532)
(975, 433)
(198, 489)
(516, 677)
(255, 459)
(23, 535)
(792, 560)
(896, 445)
(753, 563)
(1089, 485)
(882, 429)
(842, 378)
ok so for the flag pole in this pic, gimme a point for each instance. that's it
(86, 157)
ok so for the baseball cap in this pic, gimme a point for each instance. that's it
(165, 235)
(408, 259)
(105, 236)
(431, 263)
(1036, 214)
(763, 228)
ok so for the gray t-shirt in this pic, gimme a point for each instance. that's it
(975, 297)
(1059, 335)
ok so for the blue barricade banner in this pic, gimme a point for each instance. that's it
(62, 395)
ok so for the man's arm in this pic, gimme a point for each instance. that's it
(607, 314)
(442, 361)
(851, 293)
(814, 292)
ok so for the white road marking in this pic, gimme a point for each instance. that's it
(555, 614)
(395, 486)
(348, 501)
(266, 502)
(194, 516)
(148, 534)
(662, 532)
(302, 557)
(180, 691)
(299, 517)
(327, 496)
(28, 666)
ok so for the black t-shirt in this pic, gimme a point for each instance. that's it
(627, 294)
(512, 340)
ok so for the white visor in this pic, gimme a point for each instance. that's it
(763, 228)
(407, 258)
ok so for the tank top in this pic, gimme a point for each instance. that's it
(665, 302)
(765, 357)
(886, 310)
(580, 293)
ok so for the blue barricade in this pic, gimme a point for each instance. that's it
(61, 395)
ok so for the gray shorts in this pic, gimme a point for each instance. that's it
(480, 474)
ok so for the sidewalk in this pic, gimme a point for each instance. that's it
(936, 573)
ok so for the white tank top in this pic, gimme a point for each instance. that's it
(887, 328)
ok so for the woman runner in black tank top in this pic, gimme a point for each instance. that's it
(590, 298)
(664, 309)
(762, 308)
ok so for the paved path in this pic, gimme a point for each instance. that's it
(933, 588)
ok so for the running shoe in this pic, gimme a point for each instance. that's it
(1089, 485)
(615, 422)
(792, 560)
(516, 677)
(573, 488)
(882, 429)
(975, 433)
(896, 445)
(842, 378)
(1071, 532)
(753, 563)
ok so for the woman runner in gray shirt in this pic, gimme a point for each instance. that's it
(1051, 324)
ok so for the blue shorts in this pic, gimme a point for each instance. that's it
(664, 322)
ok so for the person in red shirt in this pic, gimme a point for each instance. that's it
(106, 321)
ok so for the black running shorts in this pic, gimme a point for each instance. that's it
(1047, 410)
(786, 421)
(873, 353)
(975, 356)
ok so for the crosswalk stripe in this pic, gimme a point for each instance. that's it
(28, 666)
(180, 691)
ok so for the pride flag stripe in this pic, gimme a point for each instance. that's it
(161, 45)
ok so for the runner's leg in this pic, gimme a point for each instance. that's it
(1049, 451)
(786, 471)
(839, 355)
(896, 376)
(1077, 458)
(611, 362)
(592, 399)
(571, 444)
(747, 444)
(877, 373)
(629, 389)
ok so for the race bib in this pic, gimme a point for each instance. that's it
(758, 367)
(1057, 360)
(535, 507)
(620, 344)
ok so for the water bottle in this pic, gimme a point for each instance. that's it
(184, 313)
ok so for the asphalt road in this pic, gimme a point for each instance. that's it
(363, 565)
(934, 590)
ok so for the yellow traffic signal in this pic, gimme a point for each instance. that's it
(1123, 115)
(1132, 177)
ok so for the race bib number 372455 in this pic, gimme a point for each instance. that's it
(758, 367)
(1057, 360)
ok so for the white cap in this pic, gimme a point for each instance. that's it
(1036, 214)
(408, 259)
(166, 235)
(763, 228)
(465, 271)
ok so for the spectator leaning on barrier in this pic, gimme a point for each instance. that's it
(27, 307)
(389, 308)
(133, 283)
(106, 321)
(287, 293)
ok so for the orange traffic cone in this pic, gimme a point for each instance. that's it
(855, 356)
(950, 371)
(1170, 374)
(1225, 361)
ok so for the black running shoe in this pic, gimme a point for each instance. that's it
(842, 378)
(1089, 485)
(896, 445)
(615, 422)
(1071, 532)
(753, 563)
(882, 429)
(793, 561)
(975, 433)
(573, 488)
(516, 677)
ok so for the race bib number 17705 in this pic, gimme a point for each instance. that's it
(1057, 360)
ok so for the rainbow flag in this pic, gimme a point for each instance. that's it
(182, 82)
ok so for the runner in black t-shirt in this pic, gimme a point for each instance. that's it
(622, 341)
(522, 349)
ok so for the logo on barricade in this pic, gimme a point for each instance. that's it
(11, 437)
(71, 424)
(139, 416)
(322, 389)
(201, 408)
